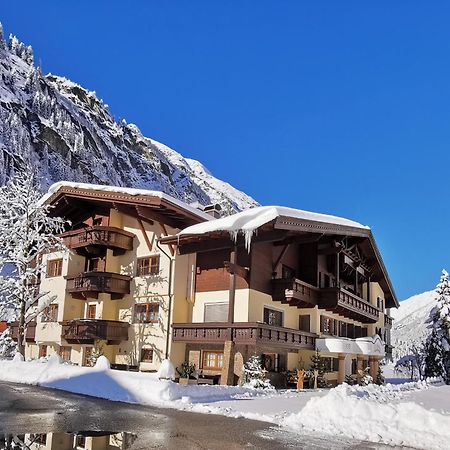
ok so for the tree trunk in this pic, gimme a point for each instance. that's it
(22, 330)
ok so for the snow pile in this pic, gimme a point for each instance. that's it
(166, 370)
(344, 411)
(247, 222)
(101, 381)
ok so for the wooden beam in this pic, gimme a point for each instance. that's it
(144, 232)
(232, 291)
(171, 247)
(283, 252)
(240, 271)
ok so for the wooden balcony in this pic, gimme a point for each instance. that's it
(244, 333)
(90, 284)
(348, 305)
(91, 241)
(86, 331)
(30, 332)
(388, 321)
(295, 292)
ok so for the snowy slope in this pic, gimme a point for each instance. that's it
(69, 134)
(410, 320)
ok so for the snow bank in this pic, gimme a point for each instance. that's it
(366, 414)
(247, 222)
(100, 381)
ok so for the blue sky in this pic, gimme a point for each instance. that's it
(336, 107)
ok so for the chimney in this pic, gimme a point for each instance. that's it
(213, 210)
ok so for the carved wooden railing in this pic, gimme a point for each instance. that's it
(99, 235)
(245, 333)
(295, 292)
(94, 283)
(349, 305)
(89, 330)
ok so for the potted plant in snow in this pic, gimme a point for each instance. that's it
(185, 371)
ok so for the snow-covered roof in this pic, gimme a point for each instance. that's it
(247, 222)
(124, 190)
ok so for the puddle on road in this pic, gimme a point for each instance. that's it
(98, 440)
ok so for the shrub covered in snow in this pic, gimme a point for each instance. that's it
(7, 345)
(255, 376)
(166, 370)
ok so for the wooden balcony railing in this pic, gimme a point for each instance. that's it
(30, 332)
(90, 284)
(295, 292)
(349, 305)
(245, 333)
(388, 321)
(86, 331)
(84, 239)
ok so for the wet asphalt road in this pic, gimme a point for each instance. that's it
(30, 409)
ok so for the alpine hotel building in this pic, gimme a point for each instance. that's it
(148, 277)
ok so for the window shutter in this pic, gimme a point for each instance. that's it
(216, 312)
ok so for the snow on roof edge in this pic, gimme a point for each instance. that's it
(247, 222)
(123, 190)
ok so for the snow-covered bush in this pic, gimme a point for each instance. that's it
(7, 345)
(95, 354)
(186, 370)
(255, 376)
(437, 346)
(366, 378)
(166, 370)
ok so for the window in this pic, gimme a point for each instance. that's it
(148, 266)
(64, 352)
(87, 356)
(91, 311)
(330, 364)
(50, 313)
(42, 351)
(270, 362)
(94, 264)
(216, 312)
(380, 303)
(146, 313)
(273, 317)
(39, 439)
(147, 355)
(54, 268)
(213, 360)
(326, 325)
(80, 441)
(304, 322)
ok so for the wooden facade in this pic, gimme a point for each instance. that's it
(315, 267)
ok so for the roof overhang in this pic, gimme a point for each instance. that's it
(75, 202)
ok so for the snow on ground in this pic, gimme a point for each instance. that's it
(415, 414)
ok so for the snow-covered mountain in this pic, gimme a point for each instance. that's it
(410, 321)
(69, 134)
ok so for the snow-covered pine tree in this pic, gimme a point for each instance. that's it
(7, 345)
(437, 359)
(254, 374)
(26, 232)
